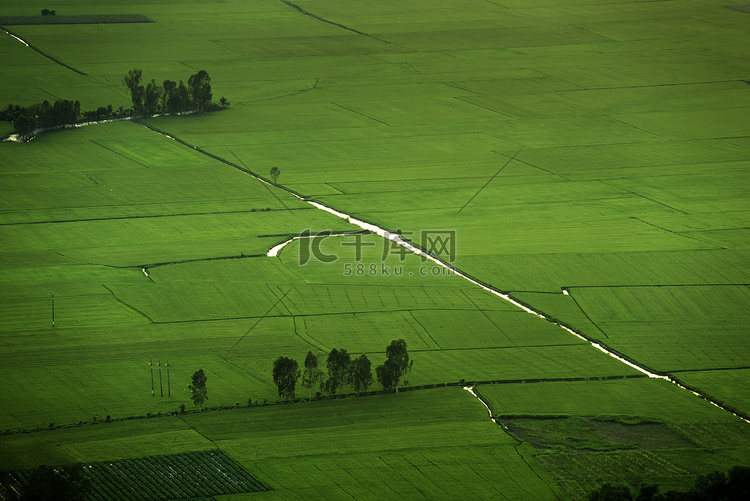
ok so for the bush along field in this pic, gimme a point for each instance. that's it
(168, 284)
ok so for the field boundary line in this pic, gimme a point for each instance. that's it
(306, 338)
(712, 369)
(120, 154)
(115, 218)
(642, 196)
(333, 23)
(411, 313)
(484, 313)
(650, 285)
(490, 180)
(39, 51)
(360, 114)
(127, 305)
(266, 186)
(375, 312)
(678, 233)
(257, 322)
(586, 314)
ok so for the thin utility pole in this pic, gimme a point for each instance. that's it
(169, 388)
(53, 308)
(151, 364)
(161, 388)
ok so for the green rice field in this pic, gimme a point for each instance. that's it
(588, 158)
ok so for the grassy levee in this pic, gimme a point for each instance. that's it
(590, 155)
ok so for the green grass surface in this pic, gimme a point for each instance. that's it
(595, 146)
(635, 431)
(645, 398)
(420, 444)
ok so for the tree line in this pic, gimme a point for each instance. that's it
(341, 370)
(731, 486)
(170, 97)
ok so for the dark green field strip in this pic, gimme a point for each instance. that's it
(155, 478)
(731, 284)
(151, 216)
(75, 19)
(709, 370)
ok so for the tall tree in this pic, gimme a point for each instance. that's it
(338, 369)
(151, 98)
(312, 373)
(137, 92)
(198, 388)
(396, 364)
(199, 86)
(169, 86)
(25, 124)
(361, 373)
(285, 375)
(181, 98)
(275, 173)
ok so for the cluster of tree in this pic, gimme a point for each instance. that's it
(150, 99)
(341, 370)
(170, 96)
(41, 116)
(47, 12)
(396, 365)
(65, 483)
(731, 486)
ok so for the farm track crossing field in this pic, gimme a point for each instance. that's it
(588, 157)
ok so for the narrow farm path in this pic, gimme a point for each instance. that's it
(39, 51)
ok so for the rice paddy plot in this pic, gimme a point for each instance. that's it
(642, 397)
(654, 324)
(721, 385)
(121, 387)
(380, 449)
(521, 363)
(75, 19)
(489, 329)
(37, 79)
(602, 161)
(552, 272)
(179, 476)
(579, 473)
